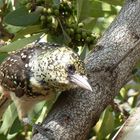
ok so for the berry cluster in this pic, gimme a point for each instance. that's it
(80, 36)
(62, 17)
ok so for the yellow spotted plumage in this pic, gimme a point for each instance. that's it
(38, 71)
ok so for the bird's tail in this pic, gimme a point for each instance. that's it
(4, 103)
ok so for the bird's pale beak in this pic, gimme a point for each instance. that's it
(81, 81)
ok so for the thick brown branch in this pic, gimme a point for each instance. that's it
(109, 67)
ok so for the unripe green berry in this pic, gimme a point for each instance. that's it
(81, 24)
(71, 31)
(49, 19)
(49, 10)
(44, 10)
(68, 31)
(39, 9)
(88, 39)
(78, 37)
(78, 30)
(84, 35)
(42, 18)
(56, 12)
(29, 6)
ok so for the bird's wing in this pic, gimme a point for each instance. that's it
(13, 75)
(14, 71)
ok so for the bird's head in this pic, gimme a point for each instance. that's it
(65, 69)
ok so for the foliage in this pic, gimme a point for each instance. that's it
(75, 23)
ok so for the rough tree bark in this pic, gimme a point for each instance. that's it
(109, 67)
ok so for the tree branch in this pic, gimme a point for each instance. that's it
(109, 67)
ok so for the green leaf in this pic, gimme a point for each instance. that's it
(21, 17)
(90, 11)
(16, 127)
(114, 2)
(57, 39)
(19, 43)
(28, 30)
(84, 52)
(12, 136)
(86, 9)
(67, 39)
(107, 124)
(3, 137)
(8, 118)
(89, 23)
(13, 29)
(3, 56)
(1, 3)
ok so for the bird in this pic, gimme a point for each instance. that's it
(38, 71)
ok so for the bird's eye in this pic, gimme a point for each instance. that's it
(71, 68)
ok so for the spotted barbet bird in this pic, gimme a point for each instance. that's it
(34, 73)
